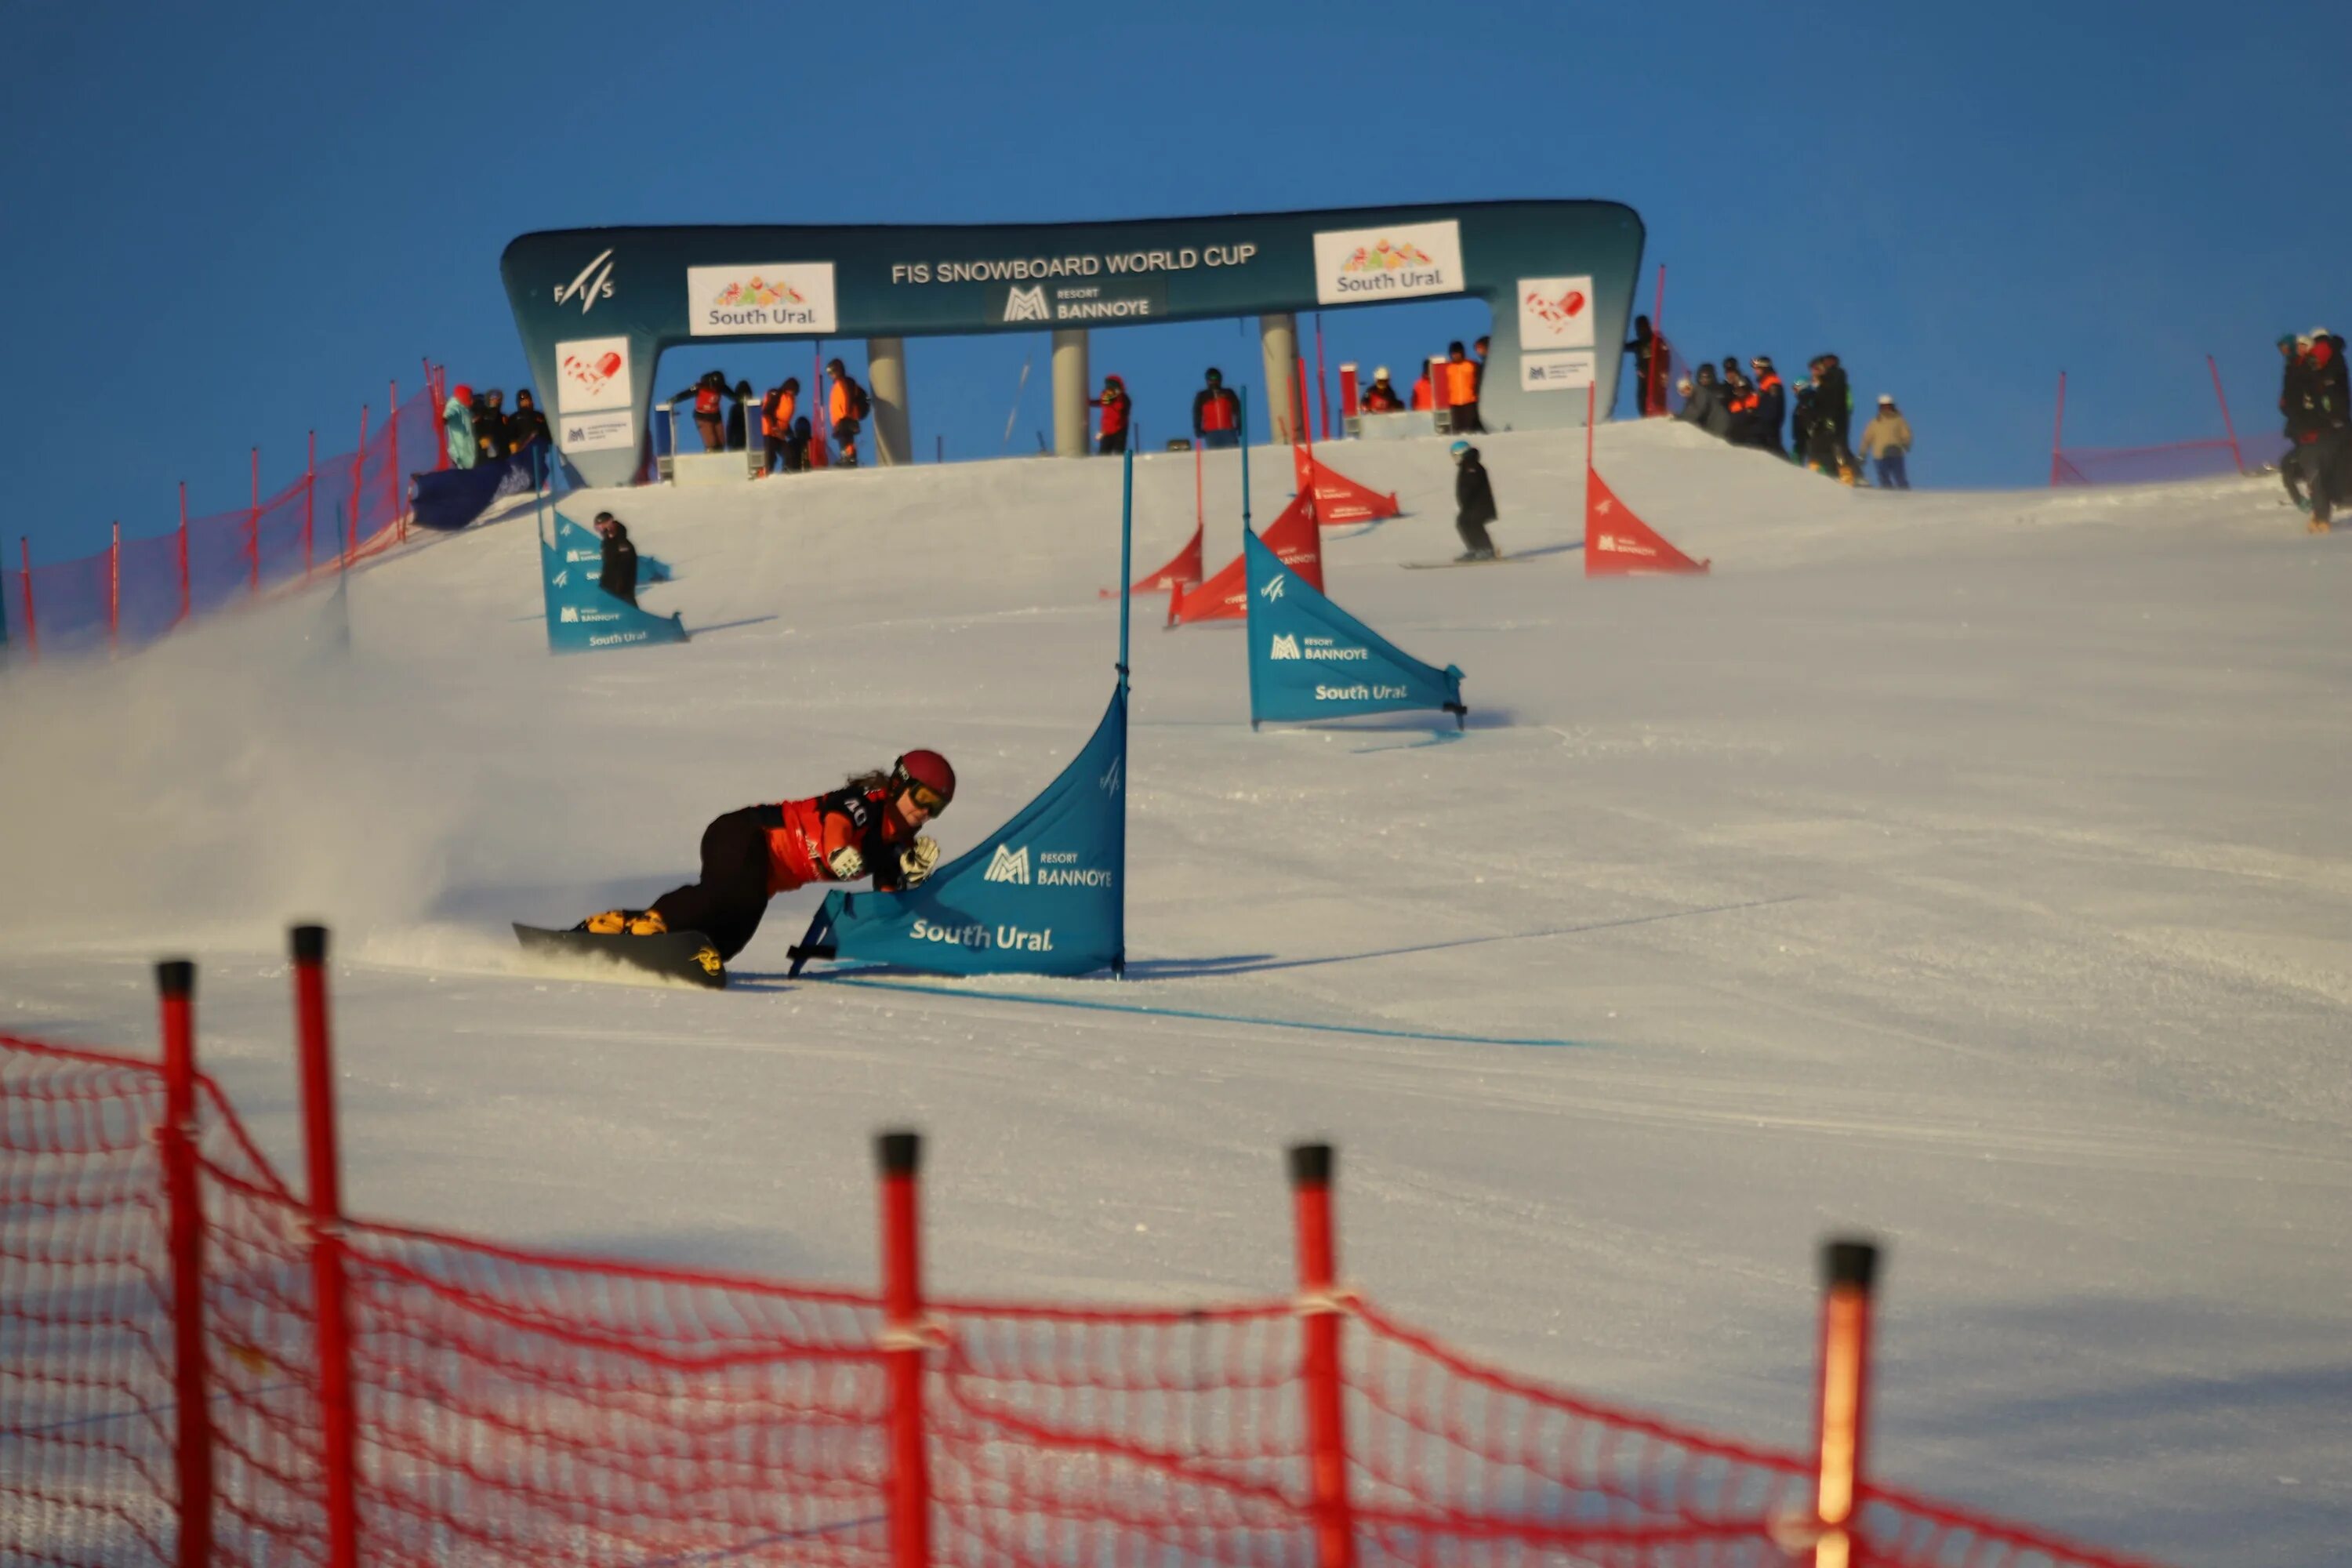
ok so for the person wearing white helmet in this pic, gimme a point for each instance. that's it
(1885, 442)
(1474, 503)
(1380, 397)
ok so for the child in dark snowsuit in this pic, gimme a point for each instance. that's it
(1474, 503)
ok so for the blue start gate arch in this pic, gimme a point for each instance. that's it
(597, 307)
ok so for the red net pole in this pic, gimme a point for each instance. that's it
(899, 1155)
(434, 398)
(1327, 1436)
(1591, 411)
(1322, 396)
(1305, 429)
(358, 472)
(253, 531)
(2222, 398)
(177, 1139)
(338, 1445)
(184, 552)
(32, 627)
(392, 460)
(1653, 395)
(2058, 431)
(309, 501)
(1200, 516)
(1849, 1267)
(114, 589)
(1351, 395)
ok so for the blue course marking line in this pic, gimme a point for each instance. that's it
(1440, 1036)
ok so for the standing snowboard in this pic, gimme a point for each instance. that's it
(685, 956)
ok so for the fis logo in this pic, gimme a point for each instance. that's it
(1027, 304)
(562, 577)
(594, 283)
(1113, 777)
(1285, 647)
(1008, 864)
(1273, 589)
(1605, 506)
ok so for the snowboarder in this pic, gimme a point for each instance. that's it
(870, 827)
(1474, 503)
(618, 576)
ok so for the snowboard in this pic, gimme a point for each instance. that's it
(686, 956)
(1441, 566)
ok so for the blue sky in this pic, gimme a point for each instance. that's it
(231, 224)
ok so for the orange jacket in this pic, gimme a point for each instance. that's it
(779, 423)
(839, 406)
(1421, 393)
(1461, 382)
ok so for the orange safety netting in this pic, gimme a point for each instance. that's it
(514, 1407)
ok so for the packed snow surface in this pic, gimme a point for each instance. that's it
(1969, 871)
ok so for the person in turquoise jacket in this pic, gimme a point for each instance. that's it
(458, 425)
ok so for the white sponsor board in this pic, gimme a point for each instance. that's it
(1358, 266)
(760, 299)
(1556, 313)
(604, 431)
(592, 373)
(1556, 370)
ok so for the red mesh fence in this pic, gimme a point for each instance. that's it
(520, 1409)
(351, 500)
(2173, 460)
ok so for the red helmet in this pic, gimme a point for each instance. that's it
(927, 769)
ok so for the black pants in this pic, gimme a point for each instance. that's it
(1474, 534)
(1112, 441)
(726, 905)
(1465, 420)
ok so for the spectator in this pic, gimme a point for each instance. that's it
(2320, 423)
(1653, 357)
(1422, 398)
(458, 427)
(619, 576)
(1380, 397)
(1804, 413)
(1739, 399)
(1461, 373)
(1118, 409)
(2290, 381)
(1474, 503)
(1886, 441)
(1771, 405)
(1701, 406)
(709, 395)
(1715, 404)
(1479, 352)
(527, 431)
(1216, 412)
(491, 426)
(1833, 398)
(738, 435)
(776, 411)
(849, 406)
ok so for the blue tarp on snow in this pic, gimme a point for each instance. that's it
(452, 498)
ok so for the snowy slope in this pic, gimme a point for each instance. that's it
(1973, 870)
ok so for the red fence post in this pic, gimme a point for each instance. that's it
(32, 627)
(899, 1155)
(1351, 393)
(183, 553)
(359, 470)
(2058, 431)
(176, 979)
(391, 461)
(2218, 396)
(114, 589)
(434, 398)
(1304, 426)
(1322, 393)
(1849, 1267)
(1654, 394)
(328, 1286)
(1319, 1307)
(253, 529)
(309, 501)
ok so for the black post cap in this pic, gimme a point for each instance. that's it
(309, 944)
(1849, 1262)
(1311, 1164)
(899, 1152)
(175, 977)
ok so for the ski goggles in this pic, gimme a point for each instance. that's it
(927, 798)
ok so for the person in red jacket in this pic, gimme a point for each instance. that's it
(1216, 413)
(1119, 410)
(870, 827)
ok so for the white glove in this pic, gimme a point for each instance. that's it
(916, 862)
(846, 864)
